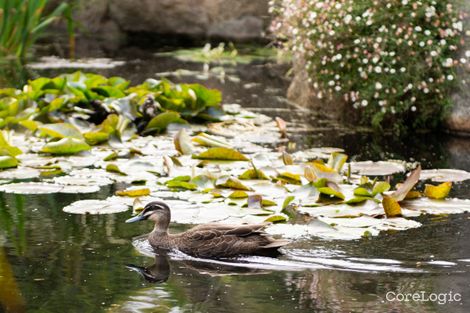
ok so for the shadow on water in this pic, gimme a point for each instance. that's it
(51, 261)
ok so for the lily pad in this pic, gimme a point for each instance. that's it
(380, 168)
(160, 122)
(46, 188)
(7, 161)
(445, 175)
(231, 182)
(182, 142)
(220, 153)
(133, 192)
(88, 206)
(60, 130)
(66, 145)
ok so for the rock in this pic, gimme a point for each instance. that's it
(239, 20)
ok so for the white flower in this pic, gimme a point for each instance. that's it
(458, 26)
(404, 2)
(338, 88)
(378, 69)
(467, 53)
(418, 28)
(430, 12)
(403, 70)
(331, 83)
(347, 19)
(413, 108)
(433, 53)
(364, 103)
(427, 32)
(448, 62)
(378, 86)
(450, 77)
(463, 60)
(392, 71)
(375, 59)
(421, 43)
(365, 61)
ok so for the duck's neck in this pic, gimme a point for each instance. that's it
(161, 226)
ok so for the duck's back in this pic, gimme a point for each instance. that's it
(218, 240)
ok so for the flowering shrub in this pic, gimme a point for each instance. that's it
(393, 59)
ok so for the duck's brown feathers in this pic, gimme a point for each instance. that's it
(218, 240)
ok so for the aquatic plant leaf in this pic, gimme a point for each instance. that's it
(391, 206)
(238, 194)
(7, 161)
(253, 174)
(413, 194)
(362, 192)
(46, 188)
(94, 138)
(407, 185)
(113, 168)
(287, 159)
(203, 182)
(67, 145)
(380, 187)
(60, 130)
(206, 140)
(112, 156)
(432, 206)
(160, 122)
(330, 192)
(6, 148)
(445, 175)
(281, 124)
(276, 218)
(437, 192)
(290, 178)
(380, 168)
(357, 200)
(231, 182)
(133, 192)
(181, 184)
(220, 153)
(91, 206)
(337, 160)
(322, 171)
(30, 124)
(182, 142)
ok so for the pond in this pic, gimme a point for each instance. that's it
(51, 261)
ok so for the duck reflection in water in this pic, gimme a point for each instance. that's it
(160, 270)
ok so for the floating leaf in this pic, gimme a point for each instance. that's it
(330, 192)
(310, 174)
(108, 206)
(391, 206)
(203, 181)
(445, 175)
(112, 156)
(380, 187)
(160, 122)
(181, 184)
(287, 158)
(133, 192)
(46, 188)
(7, 161)
(276, 218)
(66, 145)
(290, 178)
(413, 194)
(337, 160)
(6, 148)
(206, 140)
(362, 192)
(238, 194)
(60, 130)
(182, 142)
(281, 124)
(221, 154)
(407, 185)
(113, 168)
(357, 200)
(437, 192)
(231, 182)
(253, 174)
(380, 168)
(96, 137)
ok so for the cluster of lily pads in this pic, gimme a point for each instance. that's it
(226, 171)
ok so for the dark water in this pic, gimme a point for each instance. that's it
(56, 262)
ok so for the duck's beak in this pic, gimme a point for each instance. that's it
(136, 218)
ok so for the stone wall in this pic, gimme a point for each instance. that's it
(235, 20)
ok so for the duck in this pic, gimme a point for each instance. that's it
(208, 240)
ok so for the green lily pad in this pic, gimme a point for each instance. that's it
(7, 161)
(67, 145)
(60, 130)
(219, 153)
(231, 182)
(160, 122)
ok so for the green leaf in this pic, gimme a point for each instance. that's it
(60, 130)
(206, 140)
(6, 148)
(380, 187)
(94, 138)
(238, 194)
(133, 192)
(330, 192)
(231, 182)
(66, 145)
(7, 161)
(113, 168)
(276, 218)
(221, 154)
(160, 122)
(253, 174)
(181, 184)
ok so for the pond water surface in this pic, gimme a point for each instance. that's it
(51, 261)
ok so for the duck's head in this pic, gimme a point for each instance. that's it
(156, 211)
